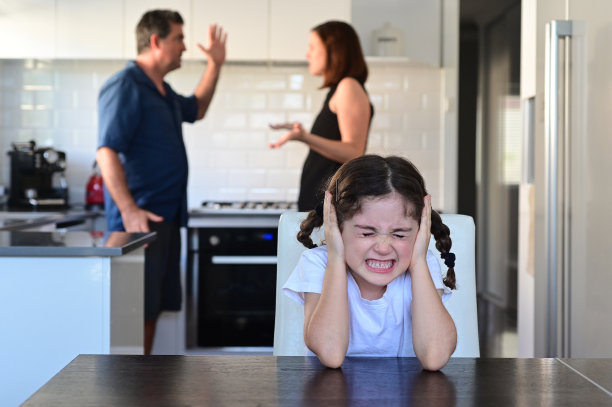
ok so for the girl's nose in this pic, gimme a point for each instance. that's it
(383, 244)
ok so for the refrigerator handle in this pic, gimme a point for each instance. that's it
(556, 128)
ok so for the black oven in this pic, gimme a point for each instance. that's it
(231, 286)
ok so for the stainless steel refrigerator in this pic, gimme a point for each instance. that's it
(565, 254)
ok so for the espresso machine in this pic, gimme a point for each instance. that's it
(37, 177)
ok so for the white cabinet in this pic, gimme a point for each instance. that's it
(55, 308)
(292, 20)
(420, 21)
(258, 30)
(27, 29)
(89, 29)
(133, 11)
(245, 22)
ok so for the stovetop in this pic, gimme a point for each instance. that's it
(245, 208)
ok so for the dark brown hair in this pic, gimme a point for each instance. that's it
(155, 22)
(373, 176)
(344, 54)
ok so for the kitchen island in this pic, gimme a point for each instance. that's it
(65, 293)
(77, 218)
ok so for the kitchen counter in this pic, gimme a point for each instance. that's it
(70, 244)
(23, 219)
(64, 293)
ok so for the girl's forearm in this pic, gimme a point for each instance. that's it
(327, 329)
(434, 335)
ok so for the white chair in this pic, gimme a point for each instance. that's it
(289, 323)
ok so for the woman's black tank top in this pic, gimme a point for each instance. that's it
(318, 169)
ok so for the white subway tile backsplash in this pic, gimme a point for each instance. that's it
(403, 102)
(10, 98)
(78, 119)
(428, 120)
(229, 194)
(385, 81)
(249, 140)
(296, 81)
(284, 178)
(243, 101)
(273, 82)
(379, 101)
(36, 118)
(267, 159)
(200, 177)
(306, 118)
(38, 79)
(228, 159)
(399, 140)
(247, 178)
(295, 154)
(264, 119)
(232, 121)
(285, 101)
(86, 99)
(375, 140)
(55, 104)
(266, 194)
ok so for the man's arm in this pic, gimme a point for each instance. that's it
(215, 53)
(134, 218)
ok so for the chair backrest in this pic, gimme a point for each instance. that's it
(289, 320)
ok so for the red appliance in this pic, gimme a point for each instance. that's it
(94, 197)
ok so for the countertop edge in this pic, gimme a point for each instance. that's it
(63, 251)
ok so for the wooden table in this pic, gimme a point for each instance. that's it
(121, 380)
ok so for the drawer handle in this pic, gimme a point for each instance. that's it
(243, 259)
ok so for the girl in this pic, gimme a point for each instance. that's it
(373, 288)
(340, 131)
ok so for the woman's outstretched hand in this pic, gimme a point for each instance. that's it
(419, 252)
(296, 132)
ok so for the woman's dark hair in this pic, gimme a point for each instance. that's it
(344, 54)
(372, 176)
(155, 22)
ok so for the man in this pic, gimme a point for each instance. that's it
(142, 155)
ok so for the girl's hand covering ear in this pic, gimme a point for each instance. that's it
(419, 252)
(333, 237)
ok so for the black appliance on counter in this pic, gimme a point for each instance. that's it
(231, 274)
(37, 177)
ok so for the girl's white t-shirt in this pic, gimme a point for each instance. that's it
(381, 327)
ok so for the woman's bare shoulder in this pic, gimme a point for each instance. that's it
(349, 84)
(349, 90)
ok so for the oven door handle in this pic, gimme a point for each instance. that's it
(243, 260)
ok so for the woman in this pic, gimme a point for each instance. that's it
(340, 131)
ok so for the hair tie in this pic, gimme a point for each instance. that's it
(449, 259)
(319, 210)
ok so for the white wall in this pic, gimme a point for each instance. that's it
(54, 103)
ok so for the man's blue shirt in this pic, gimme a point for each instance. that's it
(145, 128)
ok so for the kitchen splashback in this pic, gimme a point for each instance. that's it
(54, 103)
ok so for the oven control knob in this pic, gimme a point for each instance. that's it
(214, 240)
